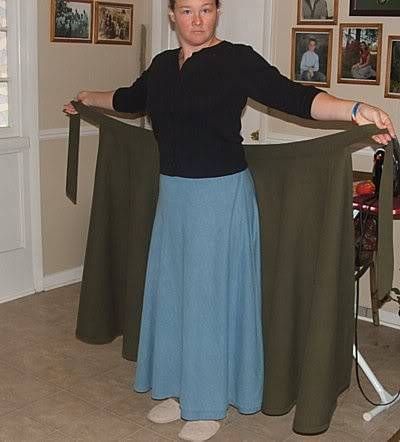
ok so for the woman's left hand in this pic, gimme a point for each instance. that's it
(367, 114)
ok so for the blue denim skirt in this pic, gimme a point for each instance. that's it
(201, 329)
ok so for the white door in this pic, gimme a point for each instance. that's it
(241, 22)
(19, 253)
(16, 268)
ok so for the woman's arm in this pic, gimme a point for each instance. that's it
(92, 98)
(265, 84)
(328, 107)
(129, 99)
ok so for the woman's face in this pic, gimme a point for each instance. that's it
(195, 20)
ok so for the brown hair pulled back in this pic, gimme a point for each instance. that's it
(172, 4)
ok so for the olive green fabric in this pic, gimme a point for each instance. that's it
(304, 193)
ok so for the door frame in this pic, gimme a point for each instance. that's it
(29, 87)
(161, 33)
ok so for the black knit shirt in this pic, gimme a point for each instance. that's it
(196, 111)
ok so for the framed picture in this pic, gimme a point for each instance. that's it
(375, 7)
(114, 23)
(311, 56)
(360, 47)
(320, 12)
(71, 21)
(392, 85)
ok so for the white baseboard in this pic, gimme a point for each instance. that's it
(53, 281)
(62, 133)
(61, 279)
(86, 130)
(16, 296)
(387, 319)
(390, 319)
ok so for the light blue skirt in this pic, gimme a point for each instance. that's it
(201, 330)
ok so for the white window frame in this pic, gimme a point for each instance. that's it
(13, 70)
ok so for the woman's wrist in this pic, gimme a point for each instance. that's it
(354, 110)
(83, 97)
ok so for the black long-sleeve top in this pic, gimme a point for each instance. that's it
(196, 111)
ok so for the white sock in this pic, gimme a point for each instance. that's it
(199, 430)
(168, 411)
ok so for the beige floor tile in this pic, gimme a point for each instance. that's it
(57, 436)
(48, 313)
(235, 432)
(92, 396)
(18, 389)
(123, 370)
(332, 435)
(49, 365)
(393, 420)
(99, 425)
(18, 427)
(394, 412)
(101, 390)
(383, 434)
(19, 332)
(69, 372)
(12, 339)
(350, 420)
(67, 296)
(59, 410)
(145, 435)
(169, 430)
(395, 437)
(267, 426)
(105, 355)
(349, 414)
(134, 407)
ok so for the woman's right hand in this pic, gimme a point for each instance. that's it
(83, 97)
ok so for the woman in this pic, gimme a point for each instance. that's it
(363, 69)
(200, 338)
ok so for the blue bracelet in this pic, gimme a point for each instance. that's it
(354, 110)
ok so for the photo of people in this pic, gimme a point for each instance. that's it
(317, 11)
(360, 53)
(375, 7)
(71, 21)
(392, 86)
(311, 56)
(114, 23)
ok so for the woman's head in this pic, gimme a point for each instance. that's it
(195, 21)
(173, 2)
(363, 46)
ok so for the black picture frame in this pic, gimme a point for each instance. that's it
(368, 10)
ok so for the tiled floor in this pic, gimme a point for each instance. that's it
(55, 388)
